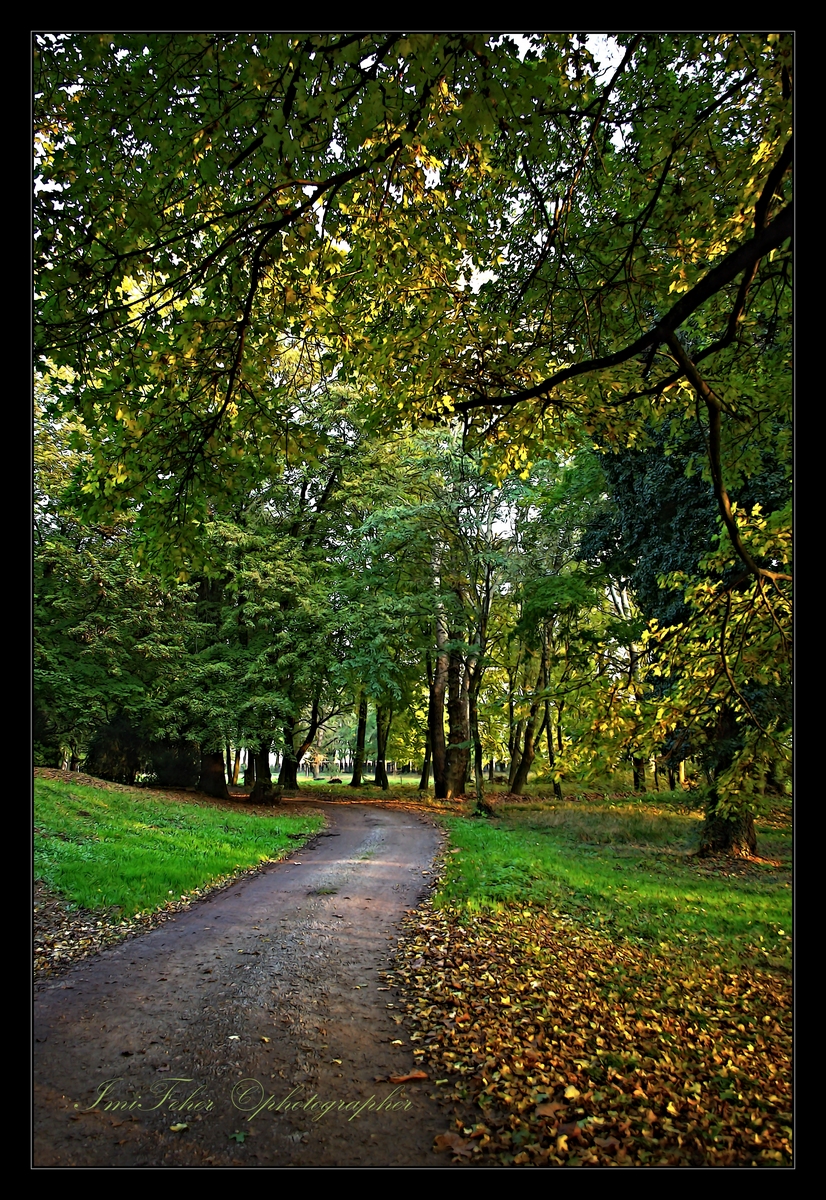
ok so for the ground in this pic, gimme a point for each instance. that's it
(282, 1021)
(256, 1027)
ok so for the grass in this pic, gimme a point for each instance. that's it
(625, 868)
(395, 781)
(123, 851)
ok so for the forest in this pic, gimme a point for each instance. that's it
(416, 399)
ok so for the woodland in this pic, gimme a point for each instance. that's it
(420, 399)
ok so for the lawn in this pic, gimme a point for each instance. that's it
(626, 866)
(127, 852)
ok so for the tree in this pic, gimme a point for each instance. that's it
(652, 536)
(197, 195)
(109, 638)
(228, 226)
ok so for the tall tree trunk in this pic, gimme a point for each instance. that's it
(528, 750)
(384, 718)
(732, 834)
(424, 781)
(288, 775)
(212, 779)
(249, 769)
(549, 735)
(515, 747)
(458, 748)
(436, 712)
(236, 766)
(638, 769)
(361, 732)
(262, 789)
(475, 737)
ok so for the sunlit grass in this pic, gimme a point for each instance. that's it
(625, 869)
(120, 850)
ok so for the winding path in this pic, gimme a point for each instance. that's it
(257, 1012)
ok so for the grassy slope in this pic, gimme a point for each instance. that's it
(127, 851)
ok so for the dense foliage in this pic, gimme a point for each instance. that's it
(265, 262)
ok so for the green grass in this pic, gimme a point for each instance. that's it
(395, 781)
(120, 850)
(625, 868)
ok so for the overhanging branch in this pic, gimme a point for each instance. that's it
(742, 259)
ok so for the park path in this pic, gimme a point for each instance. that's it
(256, 1012)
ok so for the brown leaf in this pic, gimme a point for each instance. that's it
(607, 1143)
(454, 1143)
(549, 1109)
(407, 1078)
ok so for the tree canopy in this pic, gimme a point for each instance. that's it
(538, 242)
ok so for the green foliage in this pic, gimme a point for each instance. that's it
(259, 257)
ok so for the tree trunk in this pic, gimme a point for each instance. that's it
(212, 779)
(288, 775)
(458, 748)
(249, 769)
(236, 766)
(424, 781)
(262, 789)
(528, 750)
(358, 763)
(515, 745)
(549, 735)
(638, 768)
(478, 764)
(734, 834)
(731, 833)
(436, 713)
(384, 718)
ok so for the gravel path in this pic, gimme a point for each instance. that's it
(258, 1019)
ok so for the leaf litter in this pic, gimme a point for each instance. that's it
(579, 1050)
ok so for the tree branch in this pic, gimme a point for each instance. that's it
(714, 410)
(741, 259)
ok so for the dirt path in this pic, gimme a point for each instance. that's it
(258, 1013)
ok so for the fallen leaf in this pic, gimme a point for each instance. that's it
(454, 1143)
(408, 1078)
(549, 1109)
(178, 1128)
(607, 1143)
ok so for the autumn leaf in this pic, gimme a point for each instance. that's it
(453, 1143)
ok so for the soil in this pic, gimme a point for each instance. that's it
(257, 1028)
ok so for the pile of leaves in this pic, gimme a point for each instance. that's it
(575, 1050)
